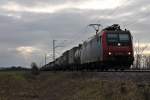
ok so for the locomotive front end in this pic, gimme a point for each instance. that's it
(118, 48)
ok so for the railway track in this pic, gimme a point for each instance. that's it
(98, 70)
(139, 76)
(125, 71)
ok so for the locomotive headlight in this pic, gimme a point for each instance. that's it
(109, 53)
(119, 44)
(129, 53)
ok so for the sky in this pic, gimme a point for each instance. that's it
(28, 27)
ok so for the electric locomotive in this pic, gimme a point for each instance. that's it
(111, 48)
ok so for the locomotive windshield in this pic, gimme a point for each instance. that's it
(115, 38)
(124, 37)
(112, 38)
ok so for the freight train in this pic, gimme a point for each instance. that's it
(111, 48)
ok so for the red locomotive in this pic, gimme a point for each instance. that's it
(111, 48)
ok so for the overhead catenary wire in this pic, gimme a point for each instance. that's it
(136, 21)
(116, 9)
(103, 12)
(112, 12)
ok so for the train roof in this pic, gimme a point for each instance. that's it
(113, 28)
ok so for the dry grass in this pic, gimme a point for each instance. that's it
(68, 86)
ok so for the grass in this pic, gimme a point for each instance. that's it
(68, 86)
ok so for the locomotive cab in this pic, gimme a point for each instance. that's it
(118, 49)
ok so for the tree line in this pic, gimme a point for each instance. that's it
(142, 60)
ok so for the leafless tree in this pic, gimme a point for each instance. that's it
(147, 62)
(34, 68)
(138, 50)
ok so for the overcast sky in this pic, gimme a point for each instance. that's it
(28, 27)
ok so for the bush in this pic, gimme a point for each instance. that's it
(34, 68)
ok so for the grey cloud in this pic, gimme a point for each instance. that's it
(9, 58)
(32, 30)
(30, 3)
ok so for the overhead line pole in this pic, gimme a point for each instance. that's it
(45, 58)
(54, 50)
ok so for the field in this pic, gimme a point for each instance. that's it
(73, 86)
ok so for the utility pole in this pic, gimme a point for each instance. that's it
(54, 50)
(45, 58)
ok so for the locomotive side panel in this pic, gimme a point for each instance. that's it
(95, 50)
(91, 51)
